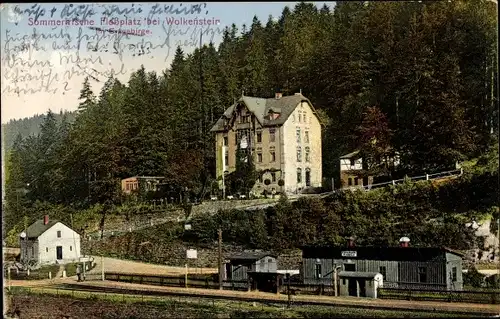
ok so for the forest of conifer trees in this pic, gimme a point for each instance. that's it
(425, 72)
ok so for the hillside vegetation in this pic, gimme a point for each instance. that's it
(430, 214)
(29, 126)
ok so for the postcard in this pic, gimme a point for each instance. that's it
(250, 159)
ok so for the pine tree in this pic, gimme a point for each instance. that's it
(87, 97)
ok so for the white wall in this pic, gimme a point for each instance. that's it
(48, 241)
(371, 286)
(290, 144)
(345, 164)
(377, 282)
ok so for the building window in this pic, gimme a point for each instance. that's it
(352, 162)
(70, 248)
(226, 140)
(58, 234)
(260, 178)
(349, 181)
(422, 274)
(299, 175)
(317, 271)
(273, 177)
(305, 118)
(300, 117)
(226, 158)
(32, 251)
(293, 118)
(306, 136)
(343, 281)
(259, 157)
(229, 273)
(273, 157)
(298, 135)
(272, 135)
(299, 154)
(356, 181)
(269, 261)
(127, 186)
(46, 249)
(454, 274)
(349, 267)
(308, 150)
(383, 271)
(308, 177)
(259, 137)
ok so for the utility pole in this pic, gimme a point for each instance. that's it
(335, 279)
(220, 258)
(288, 290)
(102, 268)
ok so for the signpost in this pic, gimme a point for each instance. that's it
(190, 254)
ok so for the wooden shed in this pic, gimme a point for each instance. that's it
(251, 270)
(359, 284)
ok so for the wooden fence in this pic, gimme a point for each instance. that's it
(471, 296)
(193, 280)
(211, 282)
(427, 177)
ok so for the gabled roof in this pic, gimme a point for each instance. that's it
(36, 229)
(379, 253)
(351, 155)
(249, 255)
(145, 177)
(261, 107)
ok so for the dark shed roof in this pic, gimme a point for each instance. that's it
(38, 228)
(250, 255)
(378, 253)
(261, 107)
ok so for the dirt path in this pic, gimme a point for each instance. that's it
(128, 266)
(39, 283)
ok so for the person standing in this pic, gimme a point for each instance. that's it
(79, 272)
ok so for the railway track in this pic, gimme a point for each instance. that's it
(272, 300)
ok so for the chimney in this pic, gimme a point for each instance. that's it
(278, 96)
(350, 242)
(45, 219)
(404, 242)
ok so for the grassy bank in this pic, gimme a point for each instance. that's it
(99, 305)
(38, 274)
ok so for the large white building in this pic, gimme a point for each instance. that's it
(49, 242)
(283, 136)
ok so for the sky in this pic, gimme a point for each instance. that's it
(44, 64)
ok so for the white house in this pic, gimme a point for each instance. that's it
(49, 242)
(352, 172)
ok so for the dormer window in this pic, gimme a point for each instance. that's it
(273, 115)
